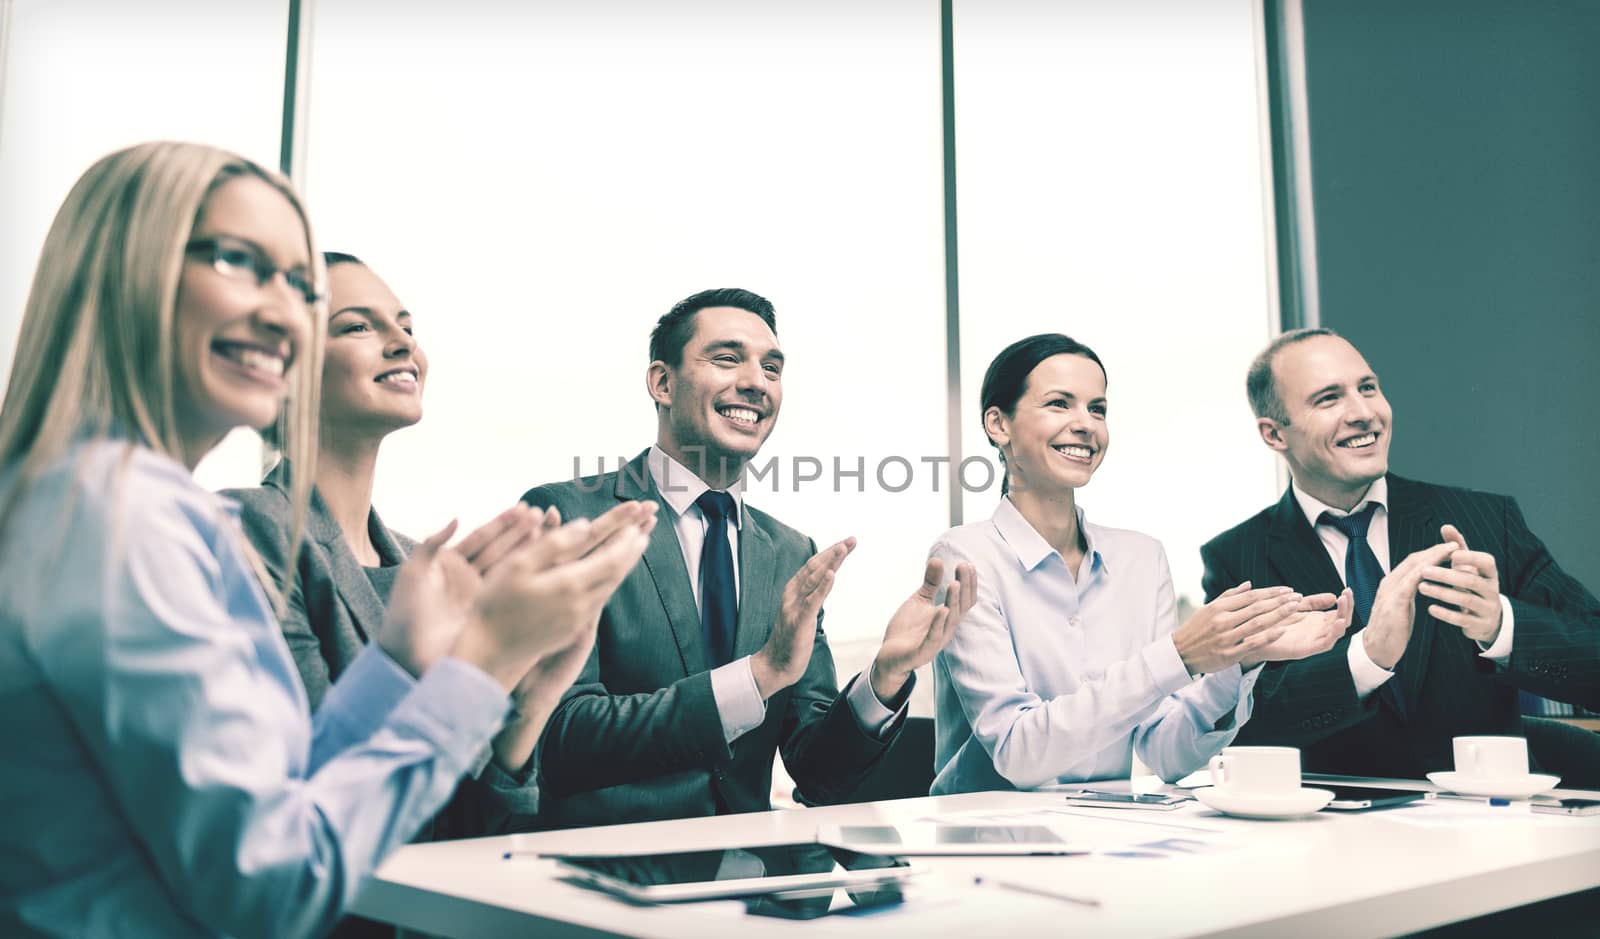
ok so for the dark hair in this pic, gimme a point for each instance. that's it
(1007, 376)
(330, 258)
(1261, 385)
(672, 331)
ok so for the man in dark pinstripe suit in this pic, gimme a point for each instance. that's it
(1468, 605)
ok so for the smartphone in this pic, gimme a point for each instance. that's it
(1357, 798)
(1569, 807)
(1161, 802)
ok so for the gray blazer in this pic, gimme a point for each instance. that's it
(638, 737)
(332, 611)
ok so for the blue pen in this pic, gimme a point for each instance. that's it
(1492, 800)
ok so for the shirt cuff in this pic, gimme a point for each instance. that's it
(1500, 651)
(518, 792)
(870, 713)
(1246, 702)
(1368, 675)
(358, 703)
(1166, 665)
(1225, 701)
(738, 698)
(460, 706)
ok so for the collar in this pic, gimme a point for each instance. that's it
(1313, 507)
(680, 488)
(1031, 548)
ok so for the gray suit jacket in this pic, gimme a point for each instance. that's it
(638, 737)
(331, 613)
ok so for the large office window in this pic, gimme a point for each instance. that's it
(1111, 188)
(540, 182)
(84, 77)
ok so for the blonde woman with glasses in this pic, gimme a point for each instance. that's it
(162, 773)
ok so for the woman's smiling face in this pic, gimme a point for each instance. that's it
(373, 370)
(238, 336)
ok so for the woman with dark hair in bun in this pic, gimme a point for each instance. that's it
(1072, 662)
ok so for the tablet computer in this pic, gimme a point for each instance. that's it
(730, 872)
(932, 839)
(1356, 798)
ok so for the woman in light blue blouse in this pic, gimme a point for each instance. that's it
(162, 774)
(1072, 661)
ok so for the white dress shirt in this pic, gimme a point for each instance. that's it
(1052, 678)
(1368, 675)
(733, 685)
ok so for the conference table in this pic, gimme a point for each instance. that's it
(1185, 873)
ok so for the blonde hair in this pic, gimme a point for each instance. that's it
(97, 354)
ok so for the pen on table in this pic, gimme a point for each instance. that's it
(1496, 800)
(1034, 891)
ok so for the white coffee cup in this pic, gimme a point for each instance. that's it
(1492, 757)
(1268, 771)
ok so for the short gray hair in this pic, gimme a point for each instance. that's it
(1261, 385)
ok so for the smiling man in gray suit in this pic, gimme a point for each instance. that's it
(710, 656)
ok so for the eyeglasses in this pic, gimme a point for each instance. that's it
(237, 259)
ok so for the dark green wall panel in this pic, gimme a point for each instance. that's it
(1455, 158)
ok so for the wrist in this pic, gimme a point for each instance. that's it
(513, 747)
(768, 681)
(1499, 624)
(886, 682)
(402, 655)
(1181, 646)
(476, 646)
(1380, 650)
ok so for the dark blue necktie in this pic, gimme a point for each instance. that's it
(1362, 574)
(719, 602)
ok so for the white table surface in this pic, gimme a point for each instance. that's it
(1376, 873)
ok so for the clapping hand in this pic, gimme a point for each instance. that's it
(1388, 628)
(921, 627)
(1238, 624)
(547, 595)
(787, 652)
(1468, 591)
(1322, 618)
(434, 591)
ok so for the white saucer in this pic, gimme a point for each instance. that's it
(1256, 805)
(1507, 787)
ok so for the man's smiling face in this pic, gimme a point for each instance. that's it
(722, 399)
(1337, 437)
